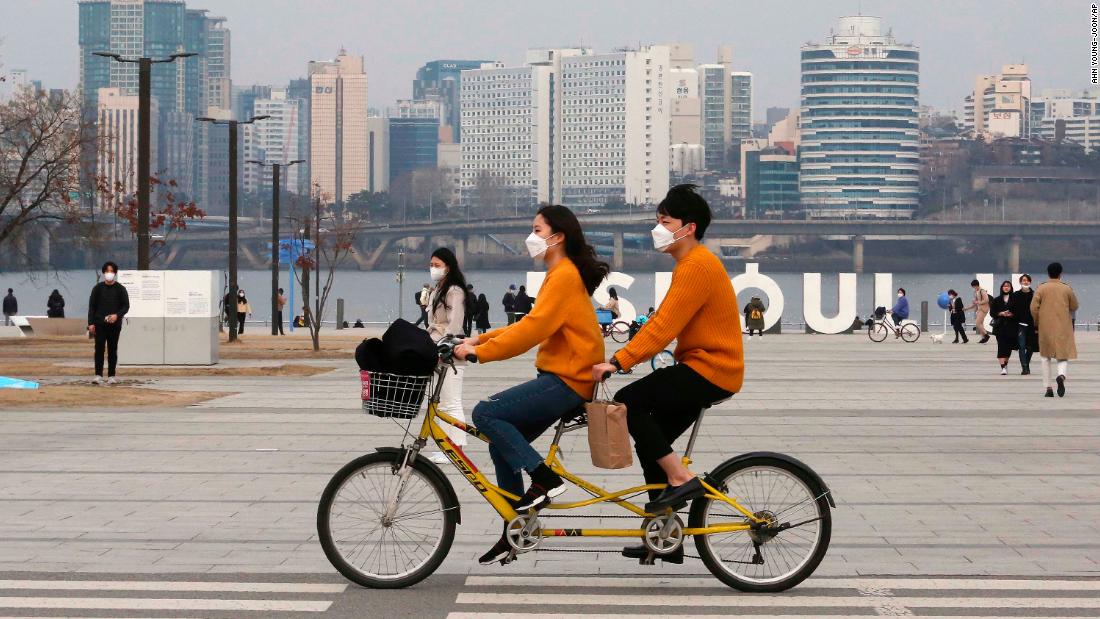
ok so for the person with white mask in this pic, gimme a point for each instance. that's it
(699, 311)
(446, 302)
(107, 305)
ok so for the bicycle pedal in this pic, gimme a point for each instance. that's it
(509, 558)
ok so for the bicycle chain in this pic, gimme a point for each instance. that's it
(591, 551)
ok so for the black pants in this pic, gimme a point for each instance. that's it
(760, 331)
(423, 317)
(106, 335)
(468, 324)
(960, 329)
(279, 321)
(659, 408)
(240, 322)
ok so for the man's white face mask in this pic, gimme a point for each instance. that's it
(663, 238)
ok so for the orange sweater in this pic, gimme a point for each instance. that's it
(700, 312)
(563, 324)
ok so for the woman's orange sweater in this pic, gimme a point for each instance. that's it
(700, 312)
(563, 321)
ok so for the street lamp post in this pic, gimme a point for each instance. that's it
(276, 189)
(232, 124)
(145, 70)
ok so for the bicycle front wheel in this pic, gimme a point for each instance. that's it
(793, 541)
(877, 332)
(620, 331)
(910, 332)
(382, 529)
(662, 359)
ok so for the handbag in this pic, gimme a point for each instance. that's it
(608, 437)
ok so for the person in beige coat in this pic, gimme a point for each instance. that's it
(446, 307)
(1052, 308)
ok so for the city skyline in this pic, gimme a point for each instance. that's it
(394, 45)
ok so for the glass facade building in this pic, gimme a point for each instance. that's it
(771, 183)
(859, 124)
(441, 80)
(414, 145)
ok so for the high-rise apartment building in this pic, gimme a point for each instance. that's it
(859, 123)
(273, 140)
(441, 81)
(1000, 105)
(726, 107)
(338, 126)
(686, 127)
(117, 146)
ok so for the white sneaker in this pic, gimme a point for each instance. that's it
(97, 380)
(111, 380)
(1004, 371)
(439, 457)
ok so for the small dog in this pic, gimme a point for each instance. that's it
(937, 339)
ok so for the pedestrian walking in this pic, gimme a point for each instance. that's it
(447, 302)
(471, 308)
(107, 305)
(422, 298)
(754, 316)
(55, 305)
(958, 316)
(280, 300)
(243, 310)
(524, 303)
(1052, 308)
(11, 307)
(228, 307)
(1005, 328)
(981, 309)
(509, 303)
(481, 319)
(1027, 337)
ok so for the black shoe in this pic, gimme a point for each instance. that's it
(966, 341)
(640, 552)
(675, 496)
(545, 485)
(1061, 386)
(1025, 371)
(499, 553)
(956, 341)
(1049, 393)
(985, 338)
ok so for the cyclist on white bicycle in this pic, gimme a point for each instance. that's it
(900, 312)
(697, 312)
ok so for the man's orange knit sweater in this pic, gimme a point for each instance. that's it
(700, 312)
(563, 321)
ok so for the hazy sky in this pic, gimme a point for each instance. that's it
(273, 39)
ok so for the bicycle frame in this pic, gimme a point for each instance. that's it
(499, 498)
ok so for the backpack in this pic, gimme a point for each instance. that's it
(756, 314)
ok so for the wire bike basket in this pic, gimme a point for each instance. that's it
(393, 395)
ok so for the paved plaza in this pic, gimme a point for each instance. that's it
(959, 492)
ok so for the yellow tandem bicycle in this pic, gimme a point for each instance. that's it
(387, 519)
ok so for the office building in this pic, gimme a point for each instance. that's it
(413, 137)
(441, 81)
(1000, 105)
(769, 180)
(117, 146)
(859, 123)
(338, 126)
(684, 80)
(299, 90)
(273, 140)
(378, 154)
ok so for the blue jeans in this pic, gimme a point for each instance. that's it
(515, 417)
(1023, 340)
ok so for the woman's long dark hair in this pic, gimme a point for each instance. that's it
(1001, 290)
(614, 294)
(583, 255)
(453, 277)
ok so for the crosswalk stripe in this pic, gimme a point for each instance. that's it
(778, 600)
(957, 584)
(165, 604)
(484, 615)
(149, 585)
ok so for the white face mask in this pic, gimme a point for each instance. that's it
(663, 238)
(1025, 286)
(536, 245)
(109, 276)
(437, 274)
(900, 295)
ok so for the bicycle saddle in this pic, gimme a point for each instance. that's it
(577, 415)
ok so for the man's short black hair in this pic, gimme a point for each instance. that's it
(975, 283)
(109, 264)
(685, 204)
(280, 291)
(901, 290)
(1054, 270)
(9, 290)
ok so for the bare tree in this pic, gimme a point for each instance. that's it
(41, 140)
(490, 195)
(169, 211)
(333, 242)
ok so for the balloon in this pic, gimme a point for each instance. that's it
(943, 300)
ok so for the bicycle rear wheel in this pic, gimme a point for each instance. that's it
(620, 331)
(877, 331)
(662, 359)
(775, 557)
(377, 551)
(910, 332)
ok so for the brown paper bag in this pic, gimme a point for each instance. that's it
(608, 437)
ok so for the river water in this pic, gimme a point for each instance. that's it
(373, 295)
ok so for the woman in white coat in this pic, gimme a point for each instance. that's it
(446, 311)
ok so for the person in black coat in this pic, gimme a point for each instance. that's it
(55, 305)
(471, 310)
(1004, 325)
(107, 305)
(509, 303)
(482, 318)
(958, 316)
(1027, 336)
(524, 303)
